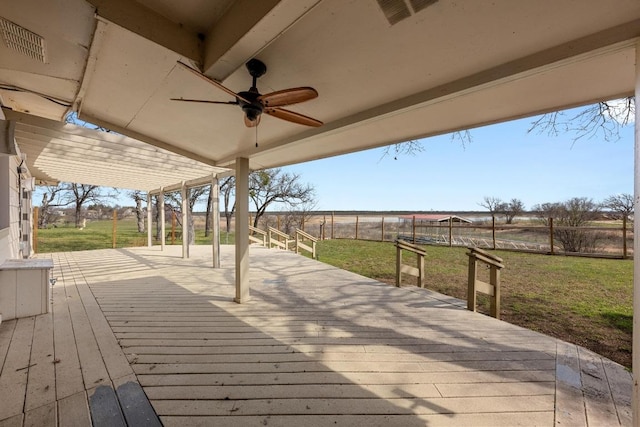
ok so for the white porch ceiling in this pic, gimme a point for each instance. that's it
(447, 66)
(65, 152)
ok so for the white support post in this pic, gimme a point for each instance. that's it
(185, 219)
(636, 254)
(149, 220)
(242, 230)
(163, 237)
(215, 221)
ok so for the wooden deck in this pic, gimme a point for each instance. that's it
(315, 346)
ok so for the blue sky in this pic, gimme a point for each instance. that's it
(501, 161)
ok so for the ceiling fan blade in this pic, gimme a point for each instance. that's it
(213, 82)
(290, 96)
(204, 101)
(251, 124)
(292, 116)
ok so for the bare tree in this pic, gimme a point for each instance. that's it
(603, 119)
(620, 204)
(51, 198)
(275, 186)
(492, 204)
(511, 209)
(414, 146)
(173, 202)
(138, 197)
(227, 188)
(568, 218)
(80, 194)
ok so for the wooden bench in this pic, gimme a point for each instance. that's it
(24, 287)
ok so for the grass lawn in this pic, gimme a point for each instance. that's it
(98, 235)
(580, 300)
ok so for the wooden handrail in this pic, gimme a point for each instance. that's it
(300, 237)
(474, 285)
(401, 268)
(262, 240)
(287, 240)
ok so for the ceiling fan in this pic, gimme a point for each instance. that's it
(253, 103)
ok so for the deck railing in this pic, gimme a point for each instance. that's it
(279, 239)
(257, 236)
(401, 268)
(301, 236)
(492, 288)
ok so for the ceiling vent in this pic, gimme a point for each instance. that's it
(397, 10)
(22, 40)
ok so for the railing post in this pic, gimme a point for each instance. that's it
(398, 266)
(471, 288)
(297, 242)
(420, 270)
(494, 279)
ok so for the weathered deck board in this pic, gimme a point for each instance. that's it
(314, 346)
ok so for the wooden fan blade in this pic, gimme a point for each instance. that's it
(290, 96)
(292, 116)
(251, 124)
(213, 82)
(204, 101)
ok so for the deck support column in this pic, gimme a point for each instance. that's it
(242, 230)
(185, 221)
(215, 221)
(636, 254)
(163, 237)
(149, 218)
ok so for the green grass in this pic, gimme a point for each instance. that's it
(98, 235)
(582, 300)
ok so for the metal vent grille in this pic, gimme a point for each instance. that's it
(397, 10)
(22, 40)
(419, 5)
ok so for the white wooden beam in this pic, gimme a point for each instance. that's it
(242, 230)
(149, 220)
(162, 219)
(636, 258)
(247, 28)
(185, 219)
(149, 24)
(215, 221)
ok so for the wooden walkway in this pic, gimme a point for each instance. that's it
(315, 346)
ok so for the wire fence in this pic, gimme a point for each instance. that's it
(607, 238)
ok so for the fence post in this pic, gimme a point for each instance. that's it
(382, 240)
(493, 230)
(357, 219)
(413, 230)
(173, 227)
(114, 229)
(324, 226)
(450, 232)
(332, 225)
(624, 237)
(34, 234)
(551, 234)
